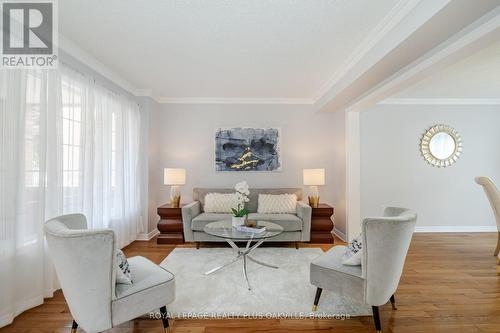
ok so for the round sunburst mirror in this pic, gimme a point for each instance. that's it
(441, 146)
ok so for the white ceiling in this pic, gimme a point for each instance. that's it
(279, 49)
(477, 76)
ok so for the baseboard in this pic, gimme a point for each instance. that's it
(457, 229)
(339, 234)
(148, 236)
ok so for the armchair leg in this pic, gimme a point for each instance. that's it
(296, 245)
(197, 245)
(164, 319)
(316, 298)
(74, 327)
(376, 319)
(393, 303)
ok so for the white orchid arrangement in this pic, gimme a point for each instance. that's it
(242, 192)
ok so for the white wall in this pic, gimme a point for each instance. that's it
(185, 139)
(394, 173)
(150, 159)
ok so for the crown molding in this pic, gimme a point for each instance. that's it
(377, 35)
(233, 100)
(440, 101)
(479, 34)
(374, 65)
(395, 15)
(71, 48)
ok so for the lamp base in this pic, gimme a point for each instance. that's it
(175, 201)
(175, 196)
(313, 201)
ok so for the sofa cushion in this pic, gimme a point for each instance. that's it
(199, 194)
(289, 222)
(220, 202)
(277, 204)
(199, 222)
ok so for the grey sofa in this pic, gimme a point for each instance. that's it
(297, 227)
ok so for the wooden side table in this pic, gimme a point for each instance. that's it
(170, 225)
(321, 224)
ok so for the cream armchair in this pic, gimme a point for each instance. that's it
(385, 244)
(494, 198)
(85, 264)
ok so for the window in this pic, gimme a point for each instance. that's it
(72, 133)
(113, 149)
(32, 97)
(32, 129)
(75, 149)
(71, 130)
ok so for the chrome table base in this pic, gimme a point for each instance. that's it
(243, 254)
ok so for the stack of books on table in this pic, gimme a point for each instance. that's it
(256, 230)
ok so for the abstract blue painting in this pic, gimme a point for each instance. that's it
(247, 149)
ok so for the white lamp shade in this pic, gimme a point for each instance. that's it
(174, 176)
(314, 177)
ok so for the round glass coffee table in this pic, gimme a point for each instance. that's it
(224, 229)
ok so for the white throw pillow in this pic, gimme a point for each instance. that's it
(277, 204)
(354, 252)
(220, 202)
(123, 274)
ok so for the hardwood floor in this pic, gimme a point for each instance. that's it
(450, 284)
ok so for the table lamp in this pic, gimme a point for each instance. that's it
(314, 178)
(174, 178)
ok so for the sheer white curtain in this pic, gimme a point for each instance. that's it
(25, 273)
(115, 186)
(67, 145)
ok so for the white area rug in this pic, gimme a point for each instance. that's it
(283, 291)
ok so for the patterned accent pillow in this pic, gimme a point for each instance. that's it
(354, 252)
(277, 204)
(123, 274)
(220, 202)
